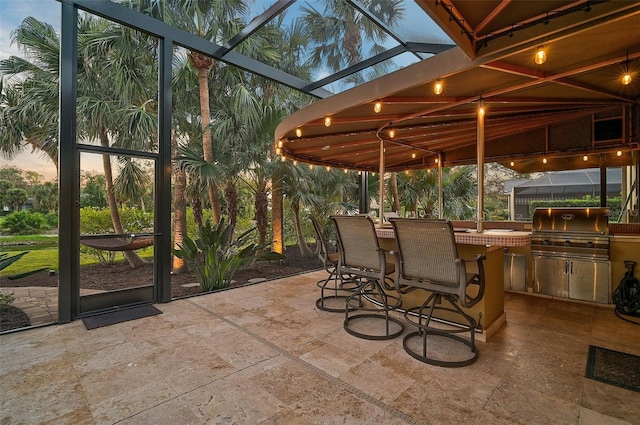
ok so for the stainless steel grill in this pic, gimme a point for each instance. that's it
(570, 249)
(571, 232)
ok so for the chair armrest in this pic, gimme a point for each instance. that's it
(397, 277)
(476, 279)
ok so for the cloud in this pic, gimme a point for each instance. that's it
(13, 12)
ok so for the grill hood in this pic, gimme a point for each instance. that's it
(571, 220)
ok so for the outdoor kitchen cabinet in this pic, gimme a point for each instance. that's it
(577, 279)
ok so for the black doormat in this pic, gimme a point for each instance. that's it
(119, 316)
(613, 367)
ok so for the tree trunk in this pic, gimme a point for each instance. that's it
(305, 251)
(133, 258)
(196, 204)
(179, 214)
(261, 204)
(394, 192)
(277, 214)
(231, 196)
(203, 64)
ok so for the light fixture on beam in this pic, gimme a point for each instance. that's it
(413, 155)
(392, 133)
(438, 86)
(377, 107)
(626, 77)
(298, 132)
(619, 153)
(541, 55)
(481, 109)
(585, 158)
(327, 121)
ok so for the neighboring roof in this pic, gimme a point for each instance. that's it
(572, 181)
(588, 45)
(510, 184)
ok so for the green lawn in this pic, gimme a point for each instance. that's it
(38, 258)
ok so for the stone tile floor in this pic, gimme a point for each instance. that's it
(263, 354)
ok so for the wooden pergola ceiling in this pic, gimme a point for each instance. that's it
(589, 44)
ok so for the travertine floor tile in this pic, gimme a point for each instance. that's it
(263, 354)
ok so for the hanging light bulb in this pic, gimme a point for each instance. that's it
(328, 168)
(619, 153)
(437, 160)
(544, 160)
(327, 121)
(346, 171)
(280, 143)
(626, 78)
(541, 55)
(283, 158)
(437, 86)
(311, 166)
(413, 155)
(295, 162)
(585, 158)
(298, 132)
(512, 163)
(278, 151)
(392, 134)
(377, 107)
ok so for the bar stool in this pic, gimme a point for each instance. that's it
(336, 283)
(367, 313)
(427, 259)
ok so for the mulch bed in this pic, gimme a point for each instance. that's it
(121, 275)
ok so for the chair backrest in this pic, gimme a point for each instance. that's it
(323, 245)
(427, 251)
(358, 241)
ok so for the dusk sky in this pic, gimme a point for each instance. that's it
(12, 13)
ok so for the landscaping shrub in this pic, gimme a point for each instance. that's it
(216, 256)
(24, 223)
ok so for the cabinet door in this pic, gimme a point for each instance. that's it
(550, 276)
(590, 281)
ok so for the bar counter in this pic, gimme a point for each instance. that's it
(490, 311)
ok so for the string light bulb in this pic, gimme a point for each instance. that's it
(481, 110)
(544, 160)
(511, 164)
(626, 77)
(619, 153)
(541, 55)
(328, 168)
(437, 160)
(327, 122)
(585, 158)
(280, 143)
(298, 132)
(437, 86)
(392, 134)
(413, 155)
(377, 107)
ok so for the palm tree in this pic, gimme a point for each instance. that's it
(29, 92)
(116, 98)
(419, 189)
(341, 33)
(216, 21)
